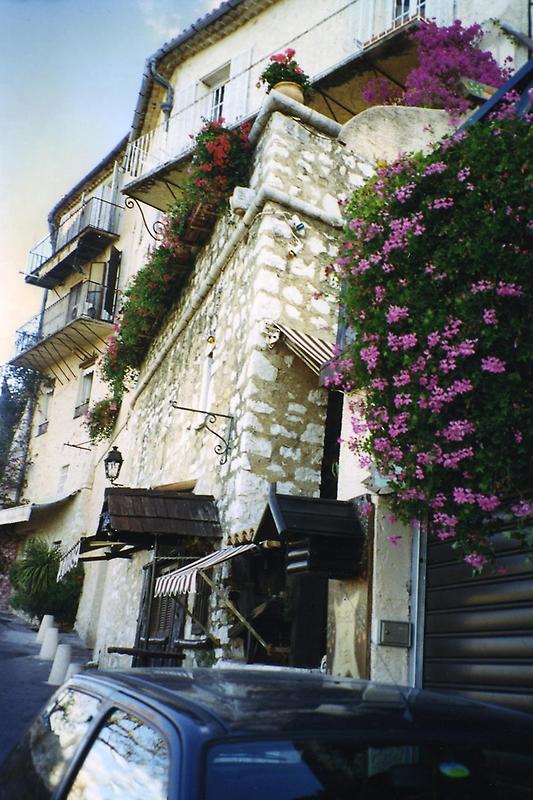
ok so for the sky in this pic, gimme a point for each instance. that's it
(70, 73)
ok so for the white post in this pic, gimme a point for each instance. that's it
(73, 669)
(49, 645)
(60, 665)
(46, 622)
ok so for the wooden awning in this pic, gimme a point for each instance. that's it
(132, 519)
(138, 513)
(322, 536)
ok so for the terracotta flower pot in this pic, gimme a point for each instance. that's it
(290, 89)
(182, 253)
(200, 224)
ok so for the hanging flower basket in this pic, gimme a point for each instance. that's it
(181, 252)
(200, 224)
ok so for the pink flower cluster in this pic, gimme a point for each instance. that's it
(493, 364)
(396, 313)
(476, 560)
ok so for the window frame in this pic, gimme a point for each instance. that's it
(216, 83)
(43, 405)
(83, 398)
(23, 750)
(149, 716)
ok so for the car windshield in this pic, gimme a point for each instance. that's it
(325, 769)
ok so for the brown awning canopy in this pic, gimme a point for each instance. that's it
(133, 513)
(132, 519)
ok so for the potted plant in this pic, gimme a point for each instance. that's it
(285, 75)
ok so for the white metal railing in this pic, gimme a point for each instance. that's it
(93, 213)
(350, 27)
(86, 299)
(404, 10)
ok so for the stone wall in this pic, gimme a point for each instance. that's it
(277, 406)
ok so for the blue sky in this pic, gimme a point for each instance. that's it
(70, 72)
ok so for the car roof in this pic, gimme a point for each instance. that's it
(267, 702)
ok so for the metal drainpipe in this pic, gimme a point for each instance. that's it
(168, 102)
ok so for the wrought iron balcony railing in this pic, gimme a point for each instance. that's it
(352, 26)
(94, 214)
(86, 301)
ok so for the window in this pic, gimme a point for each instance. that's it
(405, 9)
(326, 767)
(216, 84)
(217, 102)
(39, 762)
(43, 408)
(129, 759)
(84, 392)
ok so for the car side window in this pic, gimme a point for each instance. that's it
(38, 763)
(129, 758)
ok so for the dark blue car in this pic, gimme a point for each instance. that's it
(245, 734)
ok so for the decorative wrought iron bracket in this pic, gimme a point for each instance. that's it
(158, 228)
(223, 449)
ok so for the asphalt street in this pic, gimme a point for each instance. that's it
(23, 676)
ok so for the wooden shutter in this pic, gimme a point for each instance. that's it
(236, 98)
(185, 120)
(111, 282)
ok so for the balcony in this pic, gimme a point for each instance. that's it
(82, 236)
(370, 38)
(77, 324)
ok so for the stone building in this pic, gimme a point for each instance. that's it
(228, 418)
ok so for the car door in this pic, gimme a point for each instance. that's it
(132, 753)
(37, 766)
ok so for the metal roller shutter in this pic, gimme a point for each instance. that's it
(479, 630)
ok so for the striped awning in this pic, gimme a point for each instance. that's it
(69, 560)
(183, 580)
(314, 352)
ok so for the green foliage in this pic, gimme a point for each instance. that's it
(436, 271)
(36, 590)
(220, 162)
(18, 387)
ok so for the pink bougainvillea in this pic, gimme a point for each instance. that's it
(436, 290)
(445, 55)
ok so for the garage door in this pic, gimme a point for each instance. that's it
(479, 630)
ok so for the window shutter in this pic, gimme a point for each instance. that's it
(112, 273)
(236, 99)
(184, 121)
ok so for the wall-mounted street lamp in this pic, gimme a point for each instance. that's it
(112, 464)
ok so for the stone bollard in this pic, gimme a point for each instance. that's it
(60, 665)
(46, 622)
(49, 645)
(73, 669)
